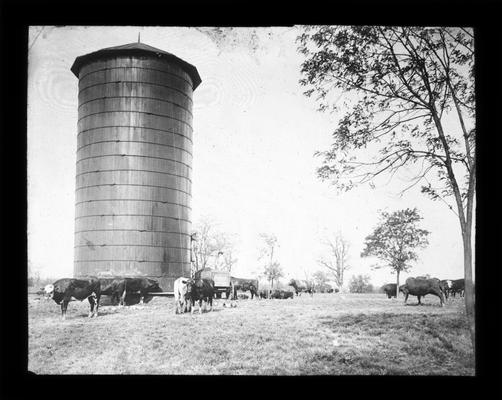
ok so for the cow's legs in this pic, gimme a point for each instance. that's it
(122, 298)
(64, 306)
(419, 302)
(91, 303)
(210, 304)
(97, 305)
(406, 297)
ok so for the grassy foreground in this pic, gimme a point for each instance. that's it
(335, 334)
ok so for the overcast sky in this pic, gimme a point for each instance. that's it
(255, 134)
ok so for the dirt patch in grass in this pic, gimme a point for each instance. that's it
(326, 334)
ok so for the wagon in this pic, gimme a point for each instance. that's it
(222, 282)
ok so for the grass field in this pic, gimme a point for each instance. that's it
(335, 334)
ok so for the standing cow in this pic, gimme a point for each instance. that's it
(112, 287)
(457, 286)
(300, 287)
(245, 285)
(140, 285)
(422, 286)
(67, 289)
(200, 290)
(181, 295)
(390, 289)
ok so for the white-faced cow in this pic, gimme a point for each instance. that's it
(181, 295)
(301, 286)
(67, 289)
(422, 286)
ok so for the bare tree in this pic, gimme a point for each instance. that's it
(208, 242)
(272, 270)
(336, 259)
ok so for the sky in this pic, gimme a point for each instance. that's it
(255, 135)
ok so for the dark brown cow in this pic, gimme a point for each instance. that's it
(140, 285)
(301, 286)
(245, 285)
(67, 289)
(112, 287)
(422, 286)
(200, 290)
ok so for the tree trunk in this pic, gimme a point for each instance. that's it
(469, 287)
(397, 285)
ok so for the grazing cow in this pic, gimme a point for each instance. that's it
(422, 286)
(390, 289)
(242, 296)
(281, 294)
(181, 296)
(67, 289)
(301, 286)
(140, 285)
(457, 286)
(200, 290)
(112, 287)
(245, 285)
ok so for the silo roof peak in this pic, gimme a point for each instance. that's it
(136, 48)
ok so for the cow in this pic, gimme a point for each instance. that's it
(112, 287)
(243, 296)
(422, 286)
(263, 294)
(390, 289)
(457, 286)
(181, 296)
(200, 290)
(245, 285)
(282, 294)
(140, 285)
(445, 286)
(67, 289)
(300, 287)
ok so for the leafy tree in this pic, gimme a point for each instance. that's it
(413, 104)
(337, 257)
(272, 272)
(395, 239)
(360, 284)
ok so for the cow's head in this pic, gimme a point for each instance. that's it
(49, 291)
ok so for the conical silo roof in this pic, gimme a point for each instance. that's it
(138, 49)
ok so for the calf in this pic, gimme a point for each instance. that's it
(67, 289)
(200, 290)
(181, 296)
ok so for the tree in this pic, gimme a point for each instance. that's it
(360, 284)
(395, 239)
(320, 279)
(208, 243)
(412, 104)
(272, 269)
(337, 258)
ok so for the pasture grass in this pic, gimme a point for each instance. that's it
(328, 334)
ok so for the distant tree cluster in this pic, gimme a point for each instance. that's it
(360, 284)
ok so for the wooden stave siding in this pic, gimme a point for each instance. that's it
(134, 157)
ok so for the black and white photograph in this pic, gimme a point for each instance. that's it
(269, 200)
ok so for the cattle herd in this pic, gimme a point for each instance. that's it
(421, 286)
(189, 292)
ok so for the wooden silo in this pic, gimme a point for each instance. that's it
(134, 163)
